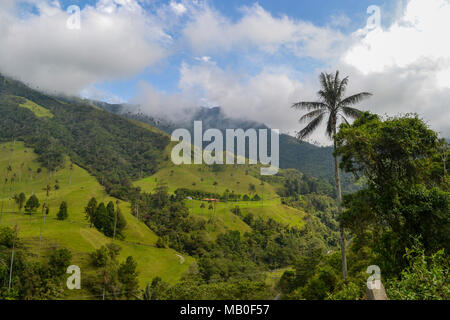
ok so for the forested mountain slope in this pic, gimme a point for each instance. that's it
(114, 149)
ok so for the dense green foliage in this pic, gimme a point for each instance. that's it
(112, 279)
(106, 219)
(31, 205)
(404, 198)
(192, 288)
(30, 279)
(425, 277)
(233, 262)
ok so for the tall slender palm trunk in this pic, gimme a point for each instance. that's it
(339, 204)
(333, 105)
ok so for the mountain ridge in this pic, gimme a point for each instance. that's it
(303, 156)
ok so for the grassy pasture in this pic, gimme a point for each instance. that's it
(76, 187)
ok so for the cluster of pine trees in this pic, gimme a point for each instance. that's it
(107, 219)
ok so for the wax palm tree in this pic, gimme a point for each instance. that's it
(336, 108)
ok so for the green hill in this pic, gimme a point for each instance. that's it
(237, 179)
(76, 187)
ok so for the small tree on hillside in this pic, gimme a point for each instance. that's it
(128, 276)
(120, 222)
(100, 216)
(90, 211)
(108, 225)
(32, 205)
(62, 213)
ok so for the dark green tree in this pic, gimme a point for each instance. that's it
(90, 210)
(128, 276)
(161, 193)
(62, 213)
(32, 205)
(108, 225)
(100, 217)
(59, 260)
(403, 198)
(120, 222)
(156, 290)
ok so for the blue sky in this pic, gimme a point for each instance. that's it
(165, 76)
(252, 58)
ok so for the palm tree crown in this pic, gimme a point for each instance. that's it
(332, 103)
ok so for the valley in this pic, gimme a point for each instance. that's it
(83, 186)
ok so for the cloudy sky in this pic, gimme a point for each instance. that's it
(252, 58)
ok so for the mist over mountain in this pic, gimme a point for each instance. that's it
(306, 157)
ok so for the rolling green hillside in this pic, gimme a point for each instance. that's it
(237, 179)
(76, 187)
(38, 110)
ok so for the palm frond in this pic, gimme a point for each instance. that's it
(328, 96)
(306, 131)
(336, 82)
(329, 80)
(351, 112)
(354, 99)
(342, 87)
(324, 81)
(309, 105)
(345, 119)
(312, 114)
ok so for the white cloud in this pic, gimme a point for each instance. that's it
(203, 59)
(418, 36)
(117, 39)
(209, 31)
(407, 65)
(178, 8)
(93, 93)
(265, 97)
(167, 106)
